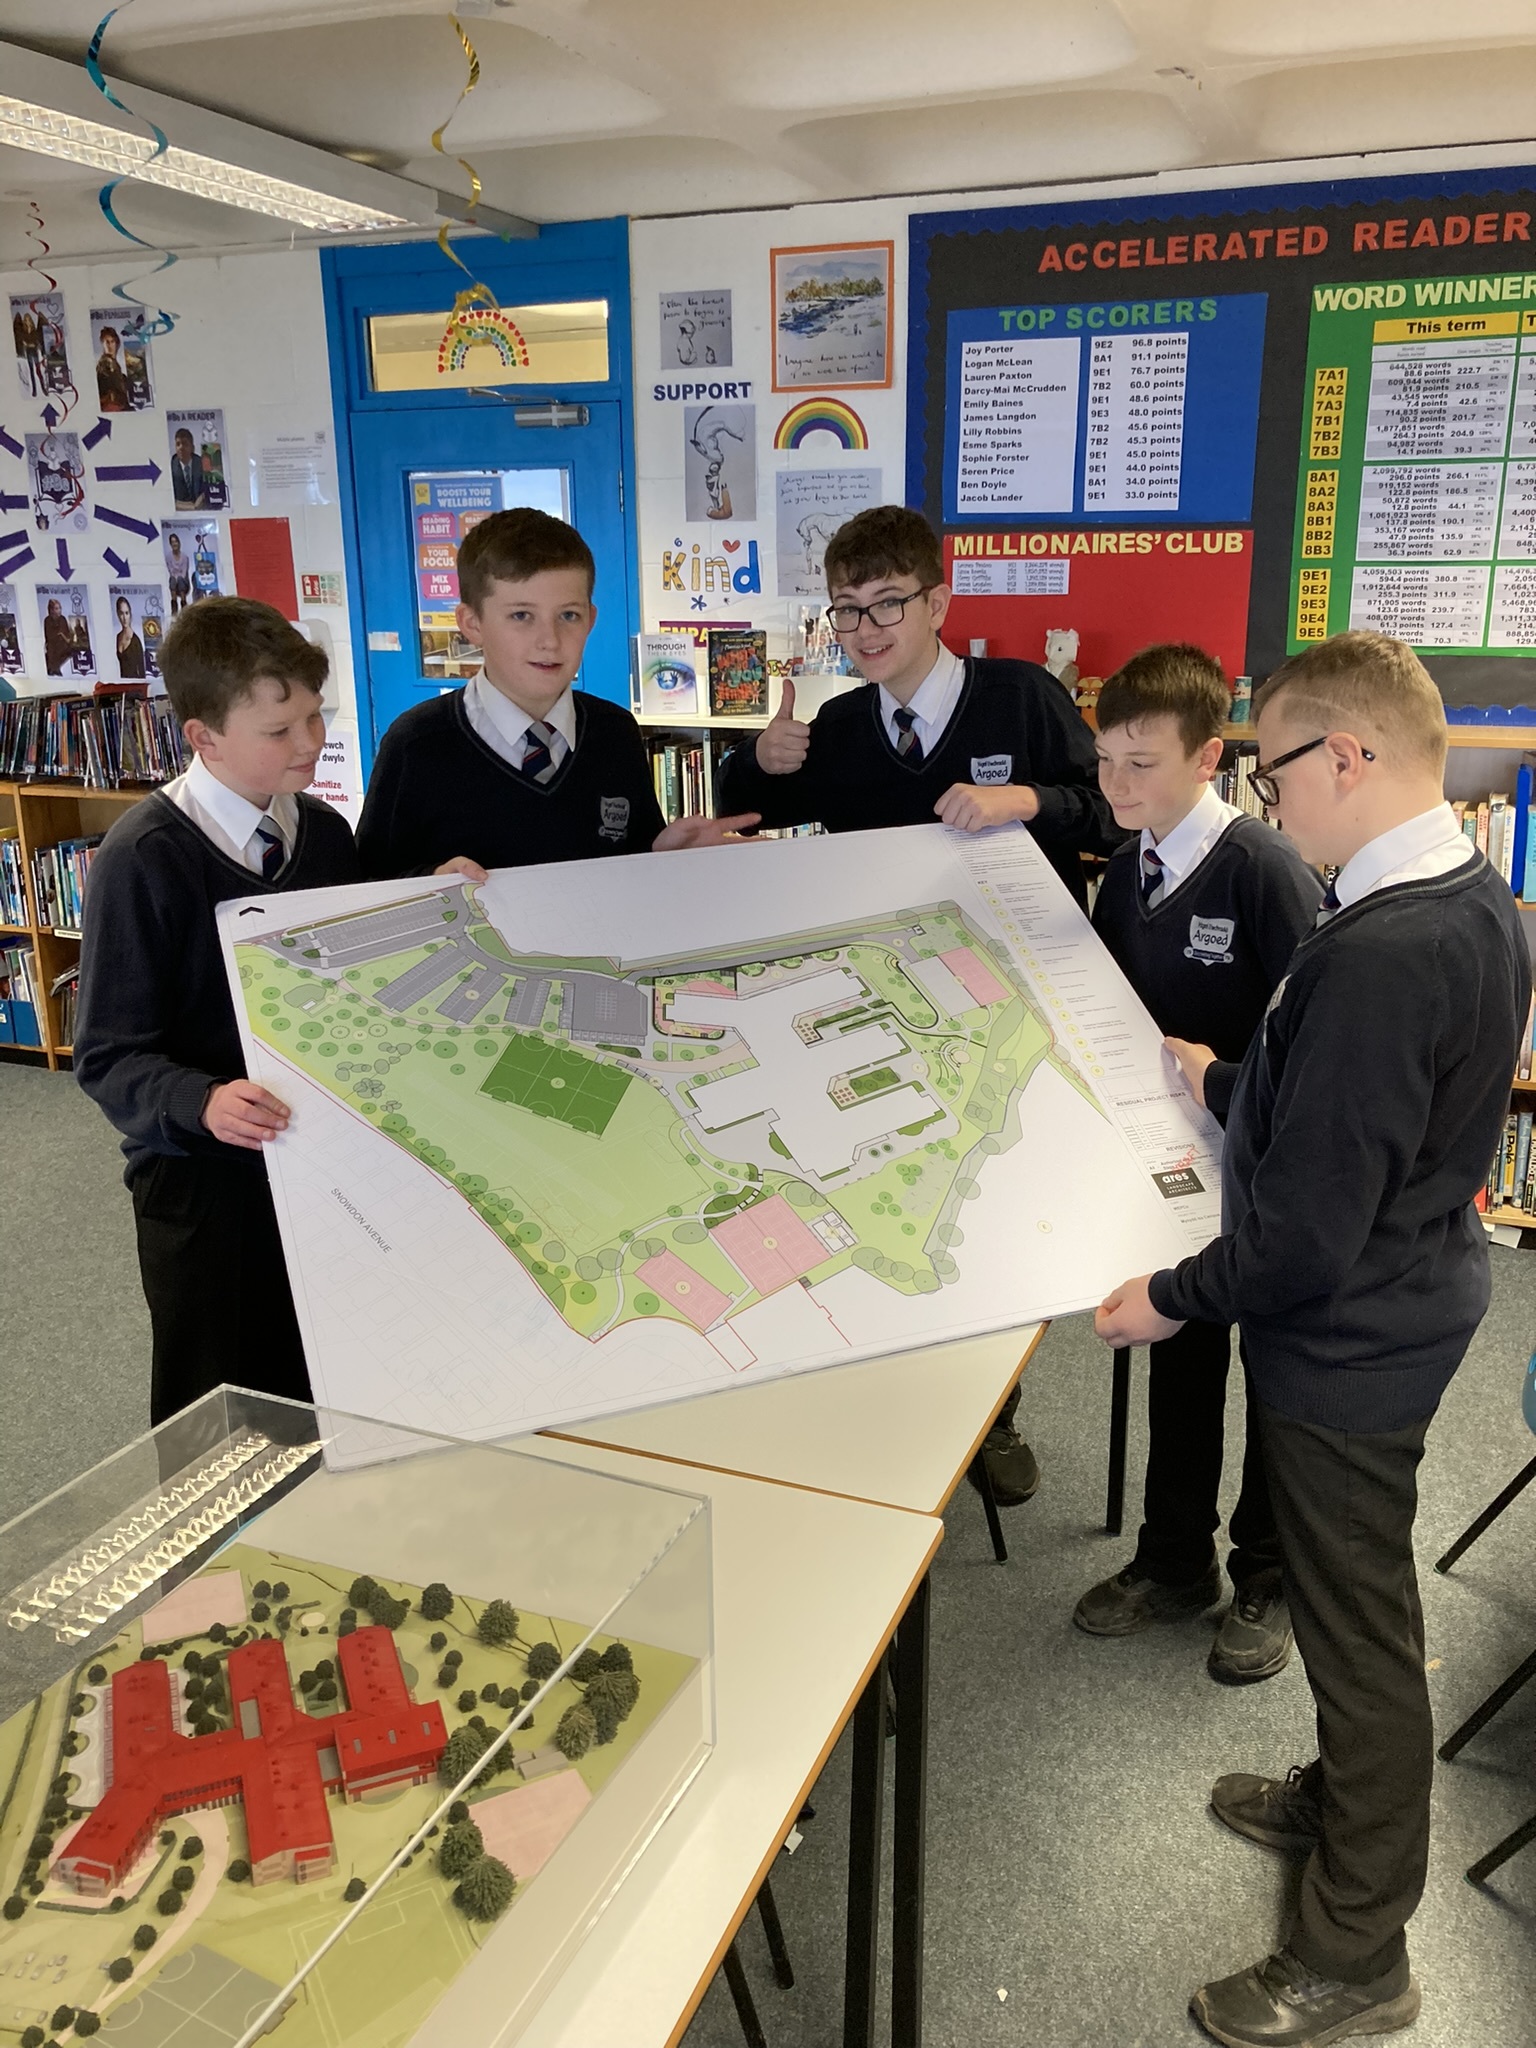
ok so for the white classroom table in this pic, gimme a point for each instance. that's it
(808, 1589)
(901, 1430)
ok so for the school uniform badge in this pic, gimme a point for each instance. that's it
(613, 812)
(990, 768)
(1210, 941)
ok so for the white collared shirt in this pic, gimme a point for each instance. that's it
(932, 702)
(1430, 844)
(504, 727)
(224, 816)
(1182, 850)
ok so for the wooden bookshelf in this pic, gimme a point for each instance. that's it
(43, 813)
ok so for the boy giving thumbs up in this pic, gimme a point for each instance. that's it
(970, 742)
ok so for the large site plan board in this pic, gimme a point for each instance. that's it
(591, 1136)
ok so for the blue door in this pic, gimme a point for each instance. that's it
(421, 477)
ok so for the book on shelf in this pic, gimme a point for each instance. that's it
(102, 742)
(683, 773)
(19, 1005)
(58, 876)
(1512, 1177)
(66, 993)
(738, 672)
(1527, 1048)
(665, 680)
(1504, 828)
(13, 881)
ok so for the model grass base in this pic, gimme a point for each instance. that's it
(229, 1947)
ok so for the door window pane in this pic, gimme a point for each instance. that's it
(444, 505)
(565, 344)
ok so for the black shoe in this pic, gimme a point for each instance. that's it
(1254, 1640)
(1130, 1601)
(1282, 1813)
(1279, 2003)
(1010, 1466)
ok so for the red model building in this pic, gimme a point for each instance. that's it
(276, 1760)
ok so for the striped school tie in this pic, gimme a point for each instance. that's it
(273, 851)
(538, 762)
(1153, 877)
(908, 745)
(1329, 907)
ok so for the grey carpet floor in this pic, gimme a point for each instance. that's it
(1071, 1860)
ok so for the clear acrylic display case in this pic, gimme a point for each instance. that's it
(231, 1739)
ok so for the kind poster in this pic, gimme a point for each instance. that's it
(192, 570)
(198, 479)
(720, 462)
(64, 610)
(56, 480)
(138, 627)
(42, 343)
(124, 372)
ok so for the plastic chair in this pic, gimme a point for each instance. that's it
(1485, 1866)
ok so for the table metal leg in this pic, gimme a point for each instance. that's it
(910, 1816)
(864, 1822)
(1485, 1866)
(773, 1929)
(741, 1994)
(1119, 1423)
(982, 1479)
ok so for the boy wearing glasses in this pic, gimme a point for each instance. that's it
(970, 742)
(1361, 1124)
(1202, 912)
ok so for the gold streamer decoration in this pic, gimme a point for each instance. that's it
(481, 294)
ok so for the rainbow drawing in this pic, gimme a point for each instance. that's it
(466, 330)
(824, 415)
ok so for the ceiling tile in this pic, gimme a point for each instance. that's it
(1022, 140)
(1312, 28)
(1390, 103)
(639, 175)
(800, 54)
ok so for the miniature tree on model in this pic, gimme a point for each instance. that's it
(465, 1748)
(354, 1891)
(120, 1969)
(436, 1602)
(543, 1661)
(575, 1732)
(460, 1847)
(498, 1625)
(486, 1889)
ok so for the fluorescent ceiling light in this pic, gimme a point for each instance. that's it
(117, 151)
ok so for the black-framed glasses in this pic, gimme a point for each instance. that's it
(1265, 787)
(885, 611)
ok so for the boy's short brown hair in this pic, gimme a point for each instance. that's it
(511, 546)
(885, 540)
(217, 649)
(1176, 680)
(1365, 683)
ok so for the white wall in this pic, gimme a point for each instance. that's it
(249, 337)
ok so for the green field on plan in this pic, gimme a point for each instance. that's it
(676, 1138)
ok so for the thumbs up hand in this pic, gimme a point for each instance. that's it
(783, 744)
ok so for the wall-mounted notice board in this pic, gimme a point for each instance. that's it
(1250, 418)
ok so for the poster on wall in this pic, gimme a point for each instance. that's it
(1253, 417)
(41, 342)
(12, 660)
(138, 627)
(198, 479)
(124, 373)
(809, 506)
(695, 330)
(56, 478)
(832, 316)
(192, 569)
(720, 462)
(64, 611)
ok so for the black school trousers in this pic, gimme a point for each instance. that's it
(1186, 1442)
(216, 1281)
(1344, 1505)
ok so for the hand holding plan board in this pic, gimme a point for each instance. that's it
(591, 1136)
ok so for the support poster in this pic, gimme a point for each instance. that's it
(1250, 418)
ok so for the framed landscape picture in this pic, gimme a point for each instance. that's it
(832, 316)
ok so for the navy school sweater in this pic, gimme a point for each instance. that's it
(437, 790)
(1206, 960)
(1013, 722)
(156, 1027)
(1365, 1114)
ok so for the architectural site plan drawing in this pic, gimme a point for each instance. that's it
(590, 1136)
